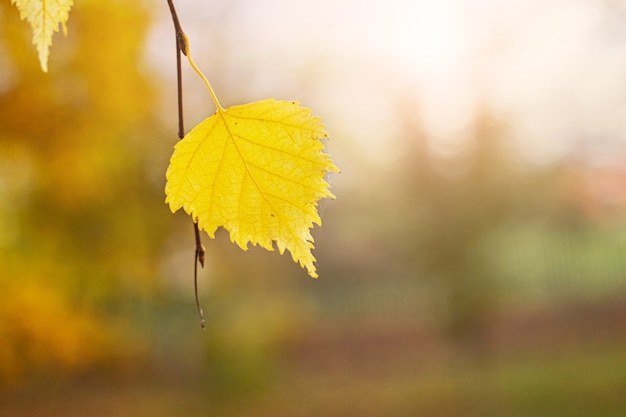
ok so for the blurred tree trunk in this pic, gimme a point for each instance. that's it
(456, 203)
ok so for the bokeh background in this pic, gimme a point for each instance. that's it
(473, 263)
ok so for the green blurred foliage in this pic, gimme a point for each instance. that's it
(254, 312)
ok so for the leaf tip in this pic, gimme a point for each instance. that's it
(44, 22)
(44, 52)
(310, 266)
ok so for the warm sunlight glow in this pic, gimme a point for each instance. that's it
(549, 69)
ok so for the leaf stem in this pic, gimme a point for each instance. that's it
(201, 75)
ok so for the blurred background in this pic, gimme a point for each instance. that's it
(473, 263)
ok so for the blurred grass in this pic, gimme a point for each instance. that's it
(587, 381)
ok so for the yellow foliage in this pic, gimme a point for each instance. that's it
(44, 17)
(41, 330)
(257, 170)
(72, 143)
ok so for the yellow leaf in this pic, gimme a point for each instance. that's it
(44, 17)
(258, 171)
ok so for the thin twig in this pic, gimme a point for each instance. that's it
(181, 48)
(200, 253)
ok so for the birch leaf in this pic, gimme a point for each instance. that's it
(256, 170)
(44, 17)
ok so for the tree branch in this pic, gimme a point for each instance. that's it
(181, 48)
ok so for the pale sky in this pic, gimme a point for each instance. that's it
(555, 69)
